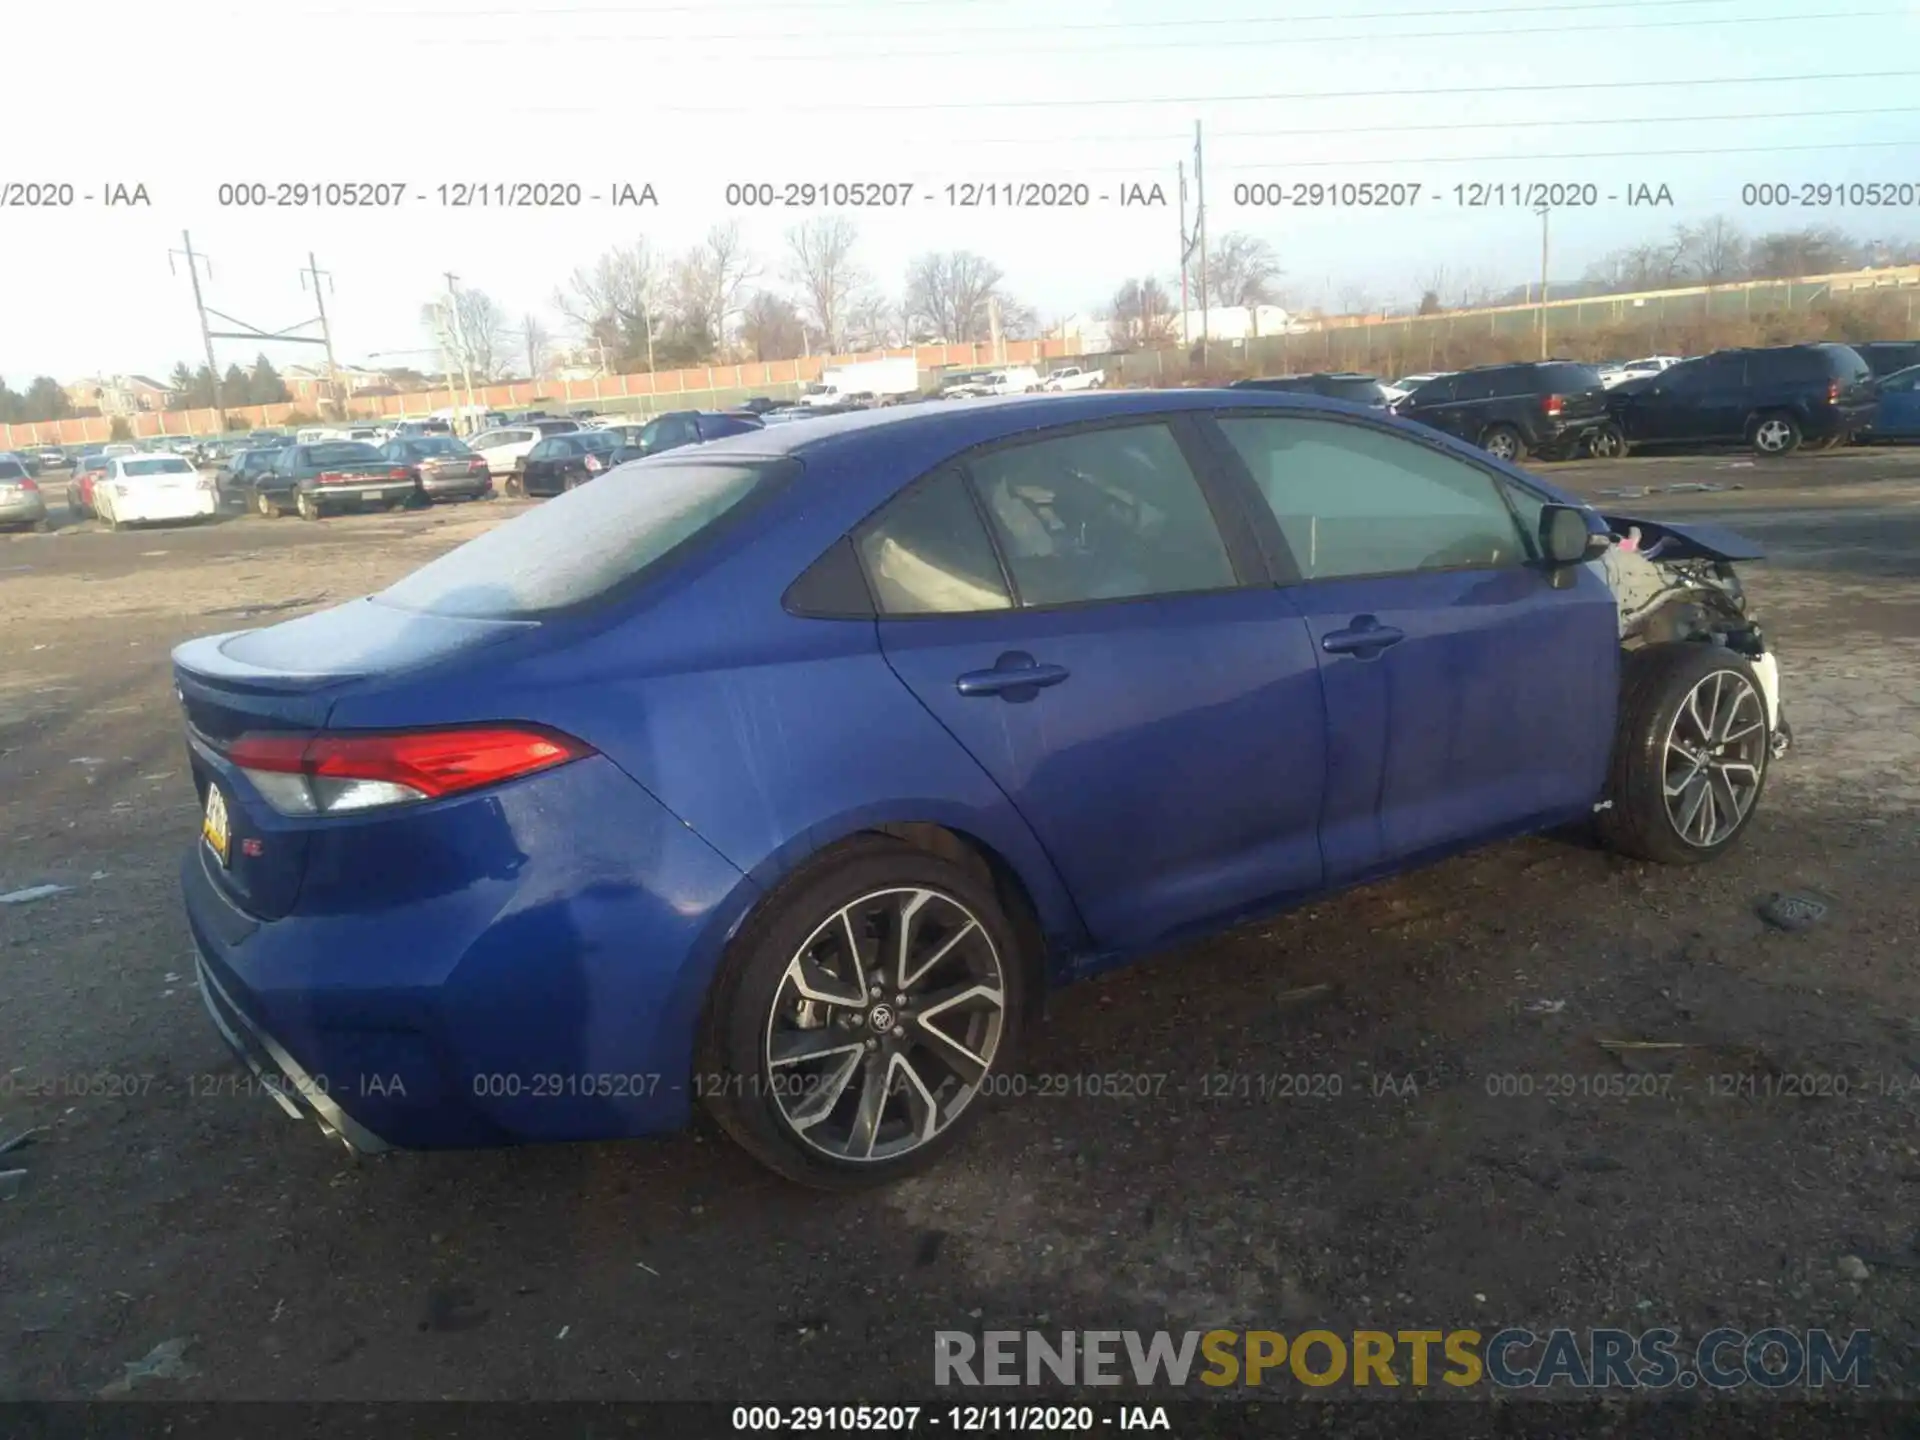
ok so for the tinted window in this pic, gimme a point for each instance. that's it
(1102, 515)
(1352, 500)
(1566, 379)
(1478, 386)
(594, 440)
(556, 427)
(927, 553)
(1438, 390)
(712, 427)
(1360, 392)
(434, 445)
(581, 544)
(341, 452)
(12, 470)
(155, 467)
(547, 450)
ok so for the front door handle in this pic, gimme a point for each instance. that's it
(1014, 676)
(1365, 637)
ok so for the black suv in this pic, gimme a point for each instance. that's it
(1343, 385)
(1883, 357)
(1775, 399)
(1551, 408)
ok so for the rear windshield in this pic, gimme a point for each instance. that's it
(583, 543)
(1564, 379)
(1360, 392)
(12, 470)
(341, 452)
(168, 466)
(435, 445)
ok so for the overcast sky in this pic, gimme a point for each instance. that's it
(688, 96)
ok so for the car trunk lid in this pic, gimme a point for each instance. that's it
(286, 679)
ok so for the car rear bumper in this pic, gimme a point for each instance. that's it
(373, 492)
(187, 505)
(527, 964)
(17, 512)
(449, 487)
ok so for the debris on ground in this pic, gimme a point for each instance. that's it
(1546, 1007)
(164, 1362)
(22, 1140)
(1304, 995)
(1852, 1267)
(1793, 911)
(11, 1182)
(32, 892)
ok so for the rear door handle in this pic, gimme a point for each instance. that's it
(1011, 675)
(1366, 638)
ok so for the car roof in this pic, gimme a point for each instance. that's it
(924, 435)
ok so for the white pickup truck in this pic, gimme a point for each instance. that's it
(1072, 377)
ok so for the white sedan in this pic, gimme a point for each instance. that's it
(1635, 369)
(137, 489)
(503, 449)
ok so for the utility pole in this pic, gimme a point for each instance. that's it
(993, 330)
(314, 271)
(1186, 252)
(1200, 189)
(1542, 212)
(200, 307)
(460, 340)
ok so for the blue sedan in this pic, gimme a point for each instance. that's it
(781, 775)
(1897, 414)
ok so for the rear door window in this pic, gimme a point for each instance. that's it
(1107, 514)
(927, 553)
(1480, 385)
(584, 544)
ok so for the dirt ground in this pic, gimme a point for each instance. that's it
(1433, 1182)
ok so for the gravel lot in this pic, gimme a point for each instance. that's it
(165, 1201)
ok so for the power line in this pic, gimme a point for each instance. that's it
(1168, 137)
(1081, 27)
(790, 7)
(1913, 144)
(1062, 103)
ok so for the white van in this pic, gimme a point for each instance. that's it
(1014, 380)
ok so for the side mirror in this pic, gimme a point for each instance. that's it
(1565, 538)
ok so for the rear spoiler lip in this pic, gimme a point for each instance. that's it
(1704, 541)
(205, 659)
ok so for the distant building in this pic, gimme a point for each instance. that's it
(120, 394)
(307, 384)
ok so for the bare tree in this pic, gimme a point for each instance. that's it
(707, 285)
(1791, 253)
(821, 264)
(1716, 250)
(1356, 300)
(1241, 270)
(470, 328)
(770, 327)
(950, 296)
(1141, 313)
(538, 343)
(615, 302)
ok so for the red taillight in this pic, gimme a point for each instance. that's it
(331, 774)
(1554, 404)
(332, 477)
(399, 473)
(26, 484)
(1833, 392)
(476, 467)
(593, 462)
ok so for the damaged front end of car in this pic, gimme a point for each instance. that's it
(1678, 583)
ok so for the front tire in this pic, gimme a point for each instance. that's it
(828, 1060)
(1774, 435)
(1690, 757)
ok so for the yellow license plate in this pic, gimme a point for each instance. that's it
(214, 826)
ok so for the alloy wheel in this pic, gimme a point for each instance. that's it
(884, 1025)
(1772, 436)
(1715, 750)
(1501, 445)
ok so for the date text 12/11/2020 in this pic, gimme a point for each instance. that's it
(1466, 195)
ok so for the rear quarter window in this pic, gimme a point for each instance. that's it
(585, 543)
(1567, 379)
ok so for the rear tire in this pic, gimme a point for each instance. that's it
(1503, 442)
(1774, 434)
(920, 1108)
(308, 506)
(1690, 756)
(1608, 442)
(267, 505)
